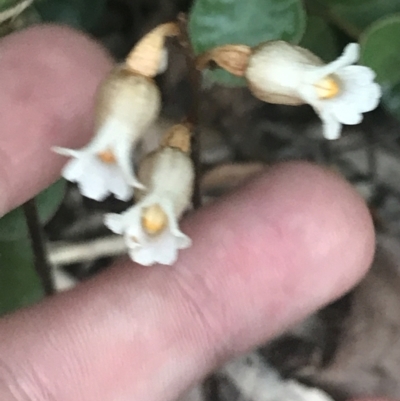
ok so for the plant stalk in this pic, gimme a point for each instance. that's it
(195, 80)
(41, 263)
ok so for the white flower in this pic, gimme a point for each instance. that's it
(339, 92)
(151, 227)
(126, 105)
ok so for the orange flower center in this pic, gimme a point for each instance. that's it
(327, 88)
(154, 220)
(107, 156)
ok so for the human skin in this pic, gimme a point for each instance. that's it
(262, 259)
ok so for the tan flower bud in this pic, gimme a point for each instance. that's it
(179, 137)
(232, 58)
(146, 57)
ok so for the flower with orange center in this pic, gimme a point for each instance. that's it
(282, 73)
(151, 227)
(127, 104)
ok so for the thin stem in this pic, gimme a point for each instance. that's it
(372, 160)
(211, 388)
(193, 115)
(210, 385)
(325, 155)
(42, 266)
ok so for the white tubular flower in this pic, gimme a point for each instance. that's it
(339, 92)
(151, 227)
(127, 104)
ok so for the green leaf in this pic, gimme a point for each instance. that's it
(19, 284)
(380, 49)
(13, 225)
(218, 22)
(354, 16)
(80, 14)
(391, 99)
(320, 38)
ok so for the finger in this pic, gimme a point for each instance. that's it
(262, 259)
(48, 77)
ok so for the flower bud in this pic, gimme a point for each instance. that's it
(148, 57)
(179, 137)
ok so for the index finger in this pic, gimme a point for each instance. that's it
(262, 259)
(48, 77)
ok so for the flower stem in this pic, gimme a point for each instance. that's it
(41, 264)
(211, 388)
(193, 115)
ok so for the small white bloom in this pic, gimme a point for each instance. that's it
(151, 227)
(339, 92)
(126, 105)
(104, 166)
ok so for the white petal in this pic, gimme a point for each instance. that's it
(358, 74)
(183, 241)
(350, 55)
(131, 218)
(331, 126)
(88, 173)
(93, 185)
(359, 95)
(117, 184)
(161, 249)
(115, 222)
(135, 238)
(166, 250)
(346, 113)
(372, 98)
(123, 154)
(95, 179)
(73, 170)
(65, 151)
(144, 257)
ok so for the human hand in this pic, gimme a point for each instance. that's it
(262, 258)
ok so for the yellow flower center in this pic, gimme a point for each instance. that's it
(154, 220)
(327, 87)
(107, 156)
